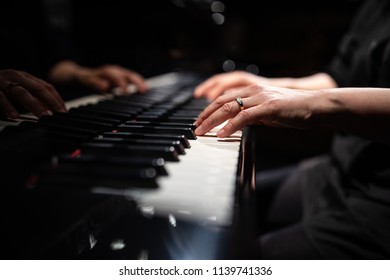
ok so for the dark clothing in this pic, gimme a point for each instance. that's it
(363, 59)
(347, 195)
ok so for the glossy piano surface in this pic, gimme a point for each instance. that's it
(80, 186)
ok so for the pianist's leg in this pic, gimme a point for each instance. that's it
(280, 202)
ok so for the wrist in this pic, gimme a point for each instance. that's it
(326, 107)
(67, 71)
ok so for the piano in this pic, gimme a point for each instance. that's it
(125, 177)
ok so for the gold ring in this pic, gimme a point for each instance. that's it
(240, 103)
(10, 86)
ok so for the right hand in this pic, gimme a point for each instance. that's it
(263, 105)
(108, 76)
(28, 91)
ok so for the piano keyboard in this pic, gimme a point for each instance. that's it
(142, 148)
(200, 186)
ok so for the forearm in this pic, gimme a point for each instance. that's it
(361, 111)
(316, 81)
(66, 71)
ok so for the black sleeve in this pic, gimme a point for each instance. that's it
(342, 65)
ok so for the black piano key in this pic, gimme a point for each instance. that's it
(67, 136)
(130, 135)
(154, 113)
(65, 121)
(153, 142)
(197, 103)
(168, 119)
(130, 103)
(187, 132)
(186, 113)
(57, 128)
(182, 97)
(119, 108)
(166, 152)
(165, 106)
(73, 175)
(152, 97)
(112, 160)
(89, 111)
(162, 123)
(59, 141)
(75, 115)
(182, 119)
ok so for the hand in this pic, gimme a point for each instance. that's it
(219, 84)
(102, 78)
(266, 105)
(108, 76)
(222, 83)
(33, 94)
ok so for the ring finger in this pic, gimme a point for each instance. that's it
(21, 96)
(227, 111)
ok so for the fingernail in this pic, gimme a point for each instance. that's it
(47, 113)
(221, 133)
(13, 115)
(199, 130)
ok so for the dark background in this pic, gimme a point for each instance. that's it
(280, 37)
(276, 38)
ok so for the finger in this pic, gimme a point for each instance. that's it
(216, 91)
(21, 96)
(46, 93)
(220, 85)
(115, 77)
(43, 91)
(241, 120)
(202, 89)
(6, 107)
(227, 111)
(96, 82)
(137, 80)
(215, 105)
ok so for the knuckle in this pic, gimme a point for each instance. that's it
(272, 105)
(219, 101)
(256, 87)
(10, 74)
(50, 87)
(40, 87)
(201, 116)
(229, 126)
(244, 116)
(227, 108)
(17, 94)
(241, 73)
(209, 122)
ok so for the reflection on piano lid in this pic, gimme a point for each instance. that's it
(177, 185)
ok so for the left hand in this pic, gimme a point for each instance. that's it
(266, 105)
(106, 77)
(103, 78)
